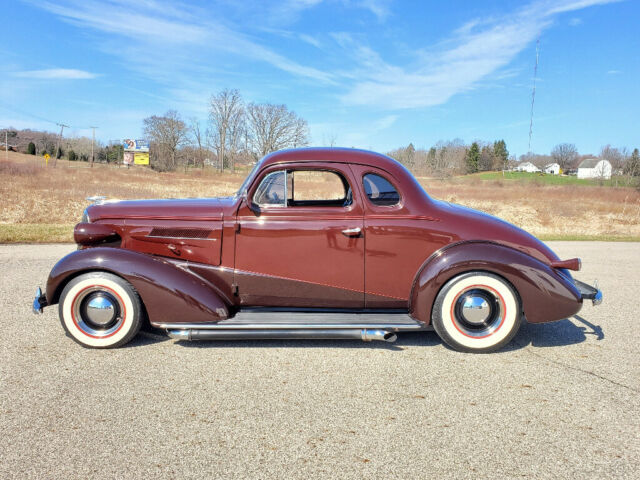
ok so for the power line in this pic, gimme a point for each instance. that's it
(38, 117)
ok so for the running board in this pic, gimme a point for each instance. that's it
(366, 335)
(275, 320)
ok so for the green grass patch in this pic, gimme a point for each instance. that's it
(36, 233)
(537, 178)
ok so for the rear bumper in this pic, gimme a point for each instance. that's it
(587, 292)
(39, 302)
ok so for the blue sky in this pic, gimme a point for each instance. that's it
(374, 74)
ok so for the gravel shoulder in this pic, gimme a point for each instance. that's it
(561, 401)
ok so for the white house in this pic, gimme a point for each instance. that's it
(552, 168)
(594, 168)
(527, 167)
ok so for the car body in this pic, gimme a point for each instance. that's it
(374, 257)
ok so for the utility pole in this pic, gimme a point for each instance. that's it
(55, 157)
(93, 140)
(6, 145)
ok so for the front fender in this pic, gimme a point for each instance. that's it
(169, 293)
(545, 294)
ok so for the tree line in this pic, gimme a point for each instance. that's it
(74, 148)
(453, 157)
(235, 131)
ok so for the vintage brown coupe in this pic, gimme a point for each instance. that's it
(317, 243)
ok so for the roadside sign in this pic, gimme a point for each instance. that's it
(46, 158)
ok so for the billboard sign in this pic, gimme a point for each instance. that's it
(128, 158)
(141, 158)
(135, 145)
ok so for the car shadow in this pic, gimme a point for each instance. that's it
(554, 334)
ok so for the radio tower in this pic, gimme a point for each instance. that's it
(533, 92)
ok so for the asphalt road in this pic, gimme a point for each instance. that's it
(562, 401)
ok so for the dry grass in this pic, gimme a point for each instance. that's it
(39, 204)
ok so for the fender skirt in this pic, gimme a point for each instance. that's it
(170, 294)
(546, 294)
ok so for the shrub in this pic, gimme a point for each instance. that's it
(31, 148)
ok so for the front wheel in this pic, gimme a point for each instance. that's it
(477, 312)
(100, 310)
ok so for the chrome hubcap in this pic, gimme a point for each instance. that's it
(475, 309)
(97, 312)
(100, 310)
(478, 312)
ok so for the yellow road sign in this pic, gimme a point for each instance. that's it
(46, 158)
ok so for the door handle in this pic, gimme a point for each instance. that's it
(352, 232)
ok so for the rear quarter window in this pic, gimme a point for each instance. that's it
(379, 190)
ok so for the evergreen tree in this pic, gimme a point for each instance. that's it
(31, 148)
(473, 158)
(72, 155)
(501, 154)
(632, 167)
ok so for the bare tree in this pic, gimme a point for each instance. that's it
(196, 135)
(274, 127)
(166, 135)
(565, 155)
(616, 157)
(225, 116)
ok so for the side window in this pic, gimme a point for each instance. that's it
(271, 191)
(317, 188)
(379, 190)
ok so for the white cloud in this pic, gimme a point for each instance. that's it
(56, 74)
(159, 33)
(614, 72)
(575, 21)
(478, 49)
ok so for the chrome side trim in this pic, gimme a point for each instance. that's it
(288, 326)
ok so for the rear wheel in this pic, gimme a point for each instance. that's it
(477, 312)
(100, 310)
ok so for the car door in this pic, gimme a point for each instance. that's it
(299, 241)
(399, 239)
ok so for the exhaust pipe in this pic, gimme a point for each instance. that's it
(366, 335)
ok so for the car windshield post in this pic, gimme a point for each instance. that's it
(246, 181)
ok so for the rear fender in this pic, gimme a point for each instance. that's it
(169, 293)
(545, 294)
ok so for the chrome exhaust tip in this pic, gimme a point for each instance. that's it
(180, 334)
(379, 335)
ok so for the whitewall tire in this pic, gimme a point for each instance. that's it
(477, 312)
(100, 310)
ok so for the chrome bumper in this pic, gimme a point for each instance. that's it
(39, 302)
(588, 292)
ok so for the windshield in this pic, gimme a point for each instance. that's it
(247, 180)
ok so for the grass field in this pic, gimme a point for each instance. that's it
(39, 204)
(545, 179)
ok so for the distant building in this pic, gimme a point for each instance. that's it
(552, 169)
(5, 146)
(594, 168)
(527, 167)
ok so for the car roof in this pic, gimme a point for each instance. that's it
(332, 154)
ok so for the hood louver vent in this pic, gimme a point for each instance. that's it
(180, 233)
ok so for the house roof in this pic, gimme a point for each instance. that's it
(589, 163)
(551, 165)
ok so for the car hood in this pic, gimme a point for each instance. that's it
(472, 225)
(169, 209)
